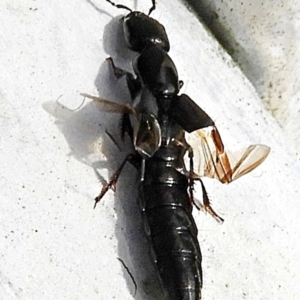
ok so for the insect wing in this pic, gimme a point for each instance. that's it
(147, 135)
(211, 159)
(112, 107)
(248, 161)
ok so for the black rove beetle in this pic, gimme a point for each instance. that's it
(158, 121)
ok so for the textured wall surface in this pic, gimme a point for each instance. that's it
(263, 38)
(53, 245)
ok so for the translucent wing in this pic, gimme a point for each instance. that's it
(112, 107)
(146, 129)
(147, 135)
(211, 159)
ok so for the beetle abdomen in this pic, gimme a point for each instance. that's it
(173, 235)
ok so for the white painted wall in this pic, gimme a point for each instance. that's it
(53, 244)
(264, 39)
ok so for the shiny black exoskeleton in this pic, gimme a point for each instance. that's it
(166, 186)
(141, 31)
(146, 36)
(155, 70)
(157, 121)
(168, 212)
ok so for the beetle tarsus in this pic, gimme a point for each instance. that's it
(118, 72)
(113, 180)
(206, 205)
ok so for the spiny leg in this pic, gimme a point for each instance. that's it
(191, 172)
(206, 204)
(185, 147)
(111, 184)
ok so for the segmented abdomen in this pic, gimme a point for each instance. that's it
(173, 231)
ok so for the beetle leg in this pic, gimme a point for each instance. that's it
(111, 184)
(126, 127)
(118, 72)
(188, 173)
(134, 85)
(206, 204)
(191, 172)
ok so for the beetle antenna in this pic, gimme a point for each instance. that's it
(121, 6)
(152, 8)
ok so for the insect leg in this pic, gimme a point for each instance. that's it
(126, 127)
(119, 5)
(191, 172)
(118, 72)
(111, 184)
(188, 173)
(192, 178)
(152, 8)
(206, 204)
(134, 85)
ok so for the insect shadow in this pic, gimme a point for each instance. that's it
(130, 225)
(87, 129)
